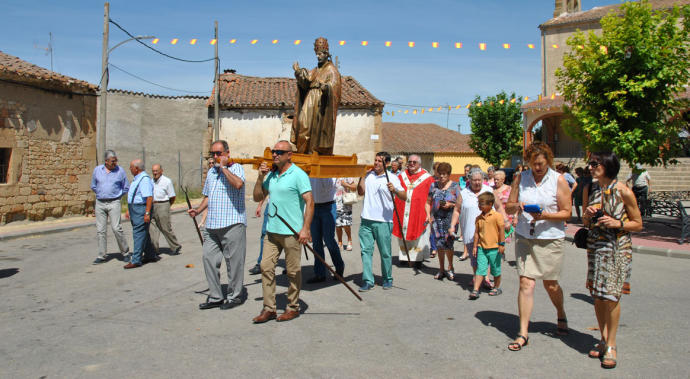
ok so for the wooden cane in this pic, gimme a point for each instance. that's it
(196, 224)
(337, 276)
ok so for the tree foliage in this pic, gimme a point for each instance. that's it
(496, 127)
(622, 85)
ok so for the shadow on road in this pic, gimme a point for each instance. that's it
(7, 272)
(508, 324)
(583, 297)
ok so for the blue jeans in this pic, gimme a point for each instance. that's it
(263, 234)
(323, 232)
(140, 233)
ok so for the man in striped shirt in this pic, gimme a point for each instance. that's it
(225, 226)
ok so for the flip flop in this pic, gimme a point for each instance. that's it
(516, 346)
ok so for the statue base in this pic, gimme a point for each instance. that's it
(315, 165)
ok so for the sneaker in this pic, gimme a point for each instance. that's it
(366, 287)
(99, 260)
(255, 270)
(387, 285)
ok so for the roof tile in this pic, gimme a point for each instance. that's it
(597, 13)
(13, 68)
(422, 138)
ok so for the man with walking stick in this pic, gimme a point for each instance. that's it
(290, 192)
(377, 219)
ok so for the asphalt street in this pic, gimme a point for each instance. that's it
(60, 316)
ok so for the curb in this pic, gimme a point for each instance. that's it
(62, 228)
(647, 250)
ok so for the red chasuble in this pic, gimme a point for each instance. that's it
(411, 211)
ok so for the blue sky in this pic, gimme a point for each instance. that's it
(398, 74)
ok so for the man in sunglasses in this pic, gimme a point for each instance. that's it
(413, 212)
(291, 198)
(225, 228)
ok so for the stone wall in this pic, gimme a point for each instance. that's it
(171, 131)
(53, 140)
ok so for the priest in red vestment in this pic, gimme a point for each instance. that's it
(413, 212)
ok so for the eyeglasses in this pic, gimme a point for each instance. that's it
(593, 164)
(280, 152)
(412, 162)
(215, 152)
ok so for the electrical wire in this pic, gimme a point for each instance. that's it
(158, 51)
(155, 84)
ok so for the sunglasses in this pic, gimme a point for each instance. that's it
(279, 152)
(531, 228)
(215, 153)
(593, 164)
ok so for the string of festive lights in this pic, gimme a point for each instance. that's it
(422, 109)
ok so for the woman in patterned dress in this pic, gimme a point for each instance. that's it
(443, 195)
(611, 215)
(343, 212)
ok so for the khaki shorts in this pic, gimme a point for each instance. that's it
(539, 259)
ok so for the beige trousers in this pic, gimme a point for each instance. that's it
(274, 244)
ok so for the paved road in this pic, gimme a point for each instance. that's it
(62, 317)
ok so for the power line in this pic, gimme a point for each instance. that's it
(158, 51)
(155, 84)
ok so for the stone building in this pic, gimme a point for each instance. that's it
(255, 112)
(47, 142)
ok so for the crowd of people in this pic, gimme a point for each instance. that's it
(424, 211)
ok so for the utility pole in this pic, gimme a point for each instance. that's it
(216, 94)
(103, 90)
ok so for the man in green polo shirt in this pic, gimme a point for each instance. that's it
(292, 199)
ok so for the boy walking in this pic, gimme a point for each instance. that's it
(489, 244)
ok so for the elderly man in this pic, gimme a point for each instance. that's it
(109, 182)
(414, 212)
(323, 227)
(163, 198)
(291, 199)
(226, 228)
(378, 187)
(139, 204)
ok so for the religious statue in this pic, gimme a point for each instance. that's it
(316, 105)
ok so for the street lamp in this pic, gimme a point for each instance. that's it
(103, 91)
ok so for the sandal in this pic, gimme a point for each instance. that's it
(450, 275)
(349, 246)
(463, 258)
(474, 295)
(495, 292)
(562, 331)
(607, 360)
(440, 275)
(432, 254)
(517, 346)
(487, 284)
(598, 350)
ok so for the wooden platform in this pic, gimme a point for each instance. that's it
(315, 165)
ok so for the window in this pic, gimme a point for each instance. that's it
(5, 154)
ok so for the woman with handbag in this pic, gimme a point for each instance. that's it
(344, 198)
(443, 195)
(611, 215)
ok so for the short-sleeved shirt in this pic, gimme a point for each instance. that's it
(225, 202)
(640, 180)
(286, 192)
(489, 227)
(378, 203)
(142, 187)
(163, 189)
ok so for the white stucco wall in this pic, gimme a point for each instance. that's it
(249, 132)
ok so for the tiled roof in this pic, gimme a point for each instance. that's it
(597, 13)
(153, 95)
(15, 69)
(422, 138)
(250, 92)
(558, 101)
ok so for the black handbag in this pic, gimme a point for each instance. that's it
(580, 238)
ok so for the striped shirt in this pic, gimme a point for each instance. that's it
(225, 202)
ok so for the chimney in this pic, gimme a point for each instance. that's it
(229, 71)
(566, 6)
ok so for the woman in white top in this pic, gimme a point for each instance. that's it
(539, 248)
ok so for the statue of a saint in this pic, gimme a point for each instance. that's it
(316, 106)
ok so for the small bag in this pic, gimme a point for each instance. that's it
(349, 198)
(580, 238)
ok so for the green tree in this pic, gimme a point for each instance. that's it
(621, 86)
(496, 127)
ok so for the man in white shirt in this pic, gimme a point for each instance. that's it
(377, 186)
(323, 227)
(163, 198)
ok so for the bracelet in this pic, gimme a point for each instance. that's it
(501, 244)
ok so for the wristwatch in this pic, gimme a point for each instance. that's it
(147, 213)
(501, 244)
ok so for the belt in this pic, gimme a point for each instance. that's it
(108, 200)
(162, 201)
(324, 204)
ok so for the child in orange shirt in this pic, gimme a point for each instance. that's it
(489, 244)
